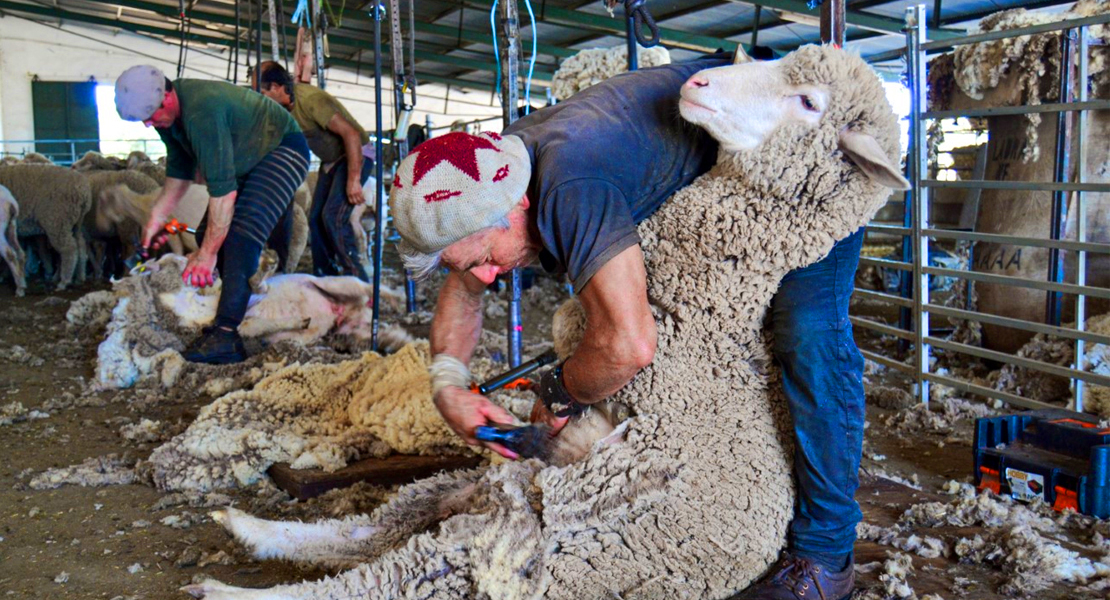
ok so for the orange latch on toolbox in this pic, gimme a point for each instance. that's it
(990, 480)
(1082, 424)
(1066, 499)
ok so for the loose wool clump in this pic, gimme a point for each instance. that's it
(590, 67)
(313, 416)
(52, 200)
(1043, 387)
(695, 501)
(979, 68)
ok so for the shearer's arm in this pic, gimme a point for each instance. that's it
(620, 330)
(456, 328)
(352, 145)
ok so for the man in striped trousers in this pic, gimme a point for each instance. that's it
(252, 156)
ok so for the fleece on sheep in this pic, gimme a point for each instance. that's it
(695, 502)
(592, 66)
(10, 249)
(52, 200)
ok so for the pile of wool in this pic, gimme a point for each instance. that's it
(592, 66)
(940, 415)
(312, 416)
(695, 499)
(1035, 59)
(94, 472)
(1043, 387)
(1032, 545)
(14, 412)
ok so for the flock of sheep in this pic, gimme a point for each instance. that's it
(92, 214)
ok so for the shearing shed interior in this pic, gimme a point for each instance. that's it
(520, 299)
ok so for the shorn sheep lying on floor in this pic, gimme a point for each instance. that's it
(152, 310)
(52, 200)
(694, 501)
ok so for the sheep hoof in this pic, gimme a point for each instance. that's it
(20, 293)
(211, 590)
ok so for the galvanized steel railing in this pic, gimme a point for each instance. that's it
(914, 270)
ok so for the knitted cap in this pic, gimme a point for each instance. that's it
(139, 92)
(455, 185)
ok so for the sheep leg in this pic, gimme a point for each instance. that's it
(299, 241)
(357, 583)
(332, 542)
(80, 268)
(13, 255)
(46, 257)
(96, 256)
(65, 243)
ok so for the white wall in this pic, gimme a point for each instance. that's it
(77, 52)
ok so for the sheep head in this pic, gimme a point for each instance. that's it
(816, 102)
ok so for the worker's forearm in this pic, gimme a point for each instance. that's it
(353, 145)
(457, 324)
(221, 209)
(600, 368)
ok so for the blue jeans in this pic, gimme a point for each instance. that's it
(822, 373)
(334, 247)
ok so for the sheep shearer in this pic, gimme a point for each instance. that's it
(252, 156)
(567, 185)
(337, 138)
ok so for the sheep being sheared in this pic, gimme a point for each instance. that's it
(9, 242)
(52, 200)
(98, 228)
(695, 502)
(155, 306)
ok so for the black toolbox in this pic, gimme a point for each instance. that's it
(1057, 455)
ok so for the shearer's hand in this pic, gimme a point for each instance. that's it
(154, 234)
(200, 269)
(354, 193)
(540, 414)
(465, 411)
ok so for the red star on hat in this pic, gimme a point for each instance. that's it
(457, 148)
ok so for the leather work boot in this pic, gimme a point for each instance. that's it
(216, 346)
(799, 578)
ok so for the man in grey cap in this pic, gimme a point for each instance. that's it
(252, 156)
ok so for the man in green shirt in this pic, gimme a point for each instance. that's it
(251, 155)
(337, 138)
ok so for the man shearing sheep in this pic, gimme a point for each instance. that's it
(337, 138)
(252, 156)
(568, 185)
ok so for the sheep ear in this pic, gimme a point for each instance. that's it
(343, 290)
(741, 56)
(862, 149)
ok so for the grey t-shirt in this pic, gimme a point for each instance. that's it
(606, 159)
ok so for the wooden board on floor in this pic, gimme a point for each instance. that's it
(303, 484)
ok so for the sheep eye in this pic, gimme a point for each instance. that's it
(808, 103)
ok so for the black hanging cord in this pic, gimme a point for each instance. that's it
(411, 76)
(258, 49)
(641, 17)
(281, 28)
(181, 45)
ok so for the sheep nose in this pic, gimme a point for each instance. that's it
(697, 81)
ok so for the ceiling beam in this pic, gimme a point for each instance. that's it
(540, 74)
(854, 18)
(63, 14)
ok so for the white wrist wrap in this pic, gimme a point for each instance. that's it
(447, 371)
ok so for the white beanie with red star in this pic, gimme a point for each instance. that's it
(455, 185)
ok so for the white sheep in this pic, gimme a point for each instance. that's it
(9, 241)
(95, 161)
(695, 501)
(139, 161)
(592, 66)
(154, 306)
(52, 200)
(124, 208)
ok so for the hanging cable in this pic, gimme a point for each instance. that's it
(531, 61)
(238, 40)
(412, 50)
(637, 9)
(496, 53)
(181, 45)
(284, 42)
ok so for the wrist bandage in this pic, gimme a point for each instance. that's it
(447, 371)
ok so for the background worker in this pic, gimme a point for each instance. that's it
(252, 156)
(337, 138)
(550, 189)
